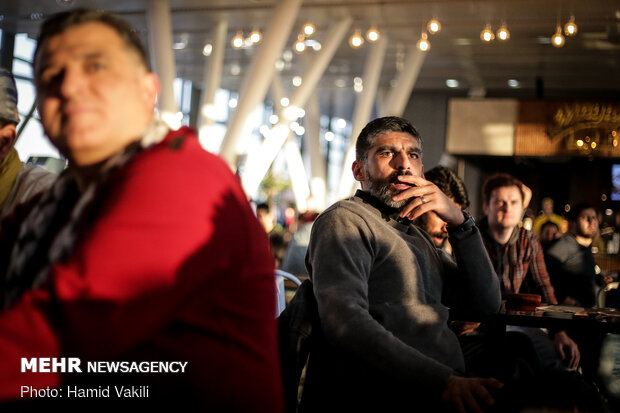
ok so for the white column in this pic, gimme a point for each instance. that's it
(294, 161)
(213, 75)
(297, 172)
(312, 139)
(257, 80)
(258, 162)
(162, 55)
(399, 95)
(277, 93)
(362, 111)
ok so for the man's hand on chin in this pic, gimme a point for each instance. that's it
(426, 196)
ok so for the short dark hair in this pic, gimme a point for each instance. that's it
(499, 180)
(548, 224)
(575, 211)
(59, 22)
(450, 184)
(381, 126)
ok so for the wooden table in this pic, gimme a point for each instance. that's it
(599, 320)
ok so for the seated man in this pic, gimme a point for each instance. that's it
(384, 291)
(454, 188)
(549, 234)
(145, 249)
(518, 259)
(547, 215)
(18, 181)
(570, 261)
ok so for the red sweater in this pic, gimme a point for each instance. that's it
(173, 267)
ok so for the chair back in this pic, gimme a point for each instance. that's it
(298, 325)
(281, 289)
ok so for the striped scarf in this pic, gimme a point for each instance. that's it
(40, 221)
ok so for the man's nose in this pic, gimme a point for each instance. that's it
(71, 80)
(401, 160)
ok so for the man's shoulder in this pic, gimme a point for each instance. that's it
(565, 244)
(178, 166)
(524, 234)
(181, 150)
(350, 207)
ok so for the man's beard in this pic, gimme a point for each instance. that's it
(383, 190)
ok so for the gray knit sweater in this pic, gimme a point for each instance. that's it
(384, 291)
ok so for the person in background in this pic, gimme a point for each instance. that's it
(518, 259)
(549, 233)
(546, 215)
(278, 239)
(570, 261)
(294, 259)
(450, 184)
(265, 217)
(145, 249)
(18, 181)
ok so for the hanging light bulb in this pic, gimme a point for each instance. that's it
(486, 35)
(502, 33)
(570, 28)
(237, 41)
(356, 41)
(557, 39)
(372, 34)
(300, 44)
(433, 26)
(308, 29)
(256, 36)
(423, 44)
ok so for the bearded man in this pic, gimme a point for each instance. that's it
(384, 290)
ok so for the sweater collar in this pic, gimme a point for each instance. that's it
(387, 212)
(483, 225)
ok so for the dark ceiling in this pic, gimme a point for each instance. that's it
(587, 66)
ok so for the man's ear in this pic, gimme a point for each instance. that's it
(485, 208)
(8, 134)
(359, 172)
(151, 88)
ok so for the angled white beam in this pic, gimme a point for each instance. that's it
(297, 172)
(312, 141)
(294, 161)
(258, 162)
(277, 93)
(213, 75)
(363, 110)
(401, 92)
(257, 80)
(162, 55)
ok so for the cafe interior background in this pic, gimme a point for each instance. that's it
(279, 88)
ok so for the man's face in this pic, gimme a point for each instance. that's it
(391, 154)
(95, 97)
(587, 223)
(549, 233)
(435, 227)
(505, 207)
